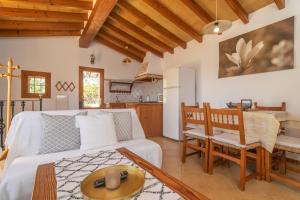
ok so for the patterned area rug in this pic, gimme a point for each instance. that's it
(71, 171)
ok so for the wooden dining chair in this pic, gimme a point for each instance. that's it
(287, 144)
(233, 136)
(270, 108)
(194, 126)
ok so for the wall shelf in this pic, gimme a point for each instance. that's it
(120, 87)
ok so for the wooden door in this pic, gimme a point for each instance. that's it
(91, 88)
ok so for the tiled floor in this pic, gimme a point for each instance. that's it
(223, 183)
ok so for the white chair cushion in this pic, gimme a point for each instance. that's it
(288, 141)
(234, 139)
(197, 132)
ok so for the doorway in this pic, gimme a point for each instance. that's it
(91, 88)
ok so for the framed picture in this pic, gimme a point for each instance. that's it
(267, 49)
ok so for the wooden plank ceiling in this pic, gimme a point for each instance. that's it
(131, 27)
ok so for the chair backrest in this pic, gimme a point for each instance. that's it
(270, 108)
(194, 115)
(225, 118)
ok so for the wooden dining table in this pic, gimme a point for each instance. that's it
(275, 123)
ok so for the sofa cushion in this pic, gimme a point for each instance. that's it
(123, 125)
(59, 133)
(17, 183)
(96, 131)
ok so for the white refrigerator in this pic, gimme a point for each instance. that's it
(179, 85)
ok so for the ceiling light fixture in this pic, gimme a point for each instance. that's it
(126, 60)
(217, 26)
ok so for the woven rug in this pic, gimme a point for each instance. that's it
(71, 171)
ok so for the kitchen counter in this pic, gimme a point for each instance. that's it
(151, 102)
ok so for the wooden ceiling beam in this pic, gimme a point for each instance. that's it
(141, 32)
(153, 24)
(198, 10)
(164, 11)
(84, 5)
(29, 33)
(280, 4)
(49, 26)
(122, 43)
(97, 18)
(238, 10)
(39, 14)
(118, 48)
(133, 39)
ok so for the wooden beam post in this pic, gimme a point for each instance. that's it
(280, 4)
(164, 11)
(141, 32)
(49, 26)
(114, 39)
(238, 10)
(121, 50)
(97, 18)
(154, 25)
(42, 14)
(84, 5)
(33, 33)
(133, 39)
(198, 10)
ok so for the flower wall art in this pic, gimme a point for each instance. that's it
(267, 49)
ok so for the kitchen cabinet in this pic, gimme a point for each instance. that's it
(150, 116)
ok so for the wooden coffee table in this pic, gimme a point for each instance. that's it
(45, 181)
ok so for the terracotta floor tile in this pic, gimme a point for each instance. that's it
(223, 184)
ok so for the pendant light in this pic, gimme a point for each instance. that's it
(217, 26)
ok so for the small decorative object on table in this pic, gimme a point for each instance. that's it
(246, 104)
(120, 181)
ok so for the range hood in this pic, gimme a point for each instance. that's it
(151, 69)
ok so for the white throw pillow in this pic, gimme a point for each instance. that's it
(96, 131)
(123, 124)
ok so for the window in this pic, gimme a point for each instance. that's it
(35, 83)
(91, 87)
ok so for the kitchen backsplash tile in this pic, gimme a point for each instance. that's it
(138, 89)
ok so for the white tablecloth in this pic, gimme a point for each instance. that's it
(265, 125)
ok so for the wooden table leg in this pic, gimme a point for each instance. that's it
(263, 167)
(268, 164)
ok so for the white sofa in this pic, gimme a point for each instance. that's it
(23, 158)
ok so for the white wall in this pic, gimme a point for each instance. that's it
(268, 88)
(61, 56)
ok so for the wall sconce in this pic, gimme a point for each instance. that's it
(92, 58)
(126, 60)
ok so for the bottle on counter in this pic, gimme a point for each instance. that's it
(141, 99)
(147, 98)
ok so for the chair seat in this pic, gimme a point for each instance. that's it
(288, 143)
(197, 132)
(233, 140)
